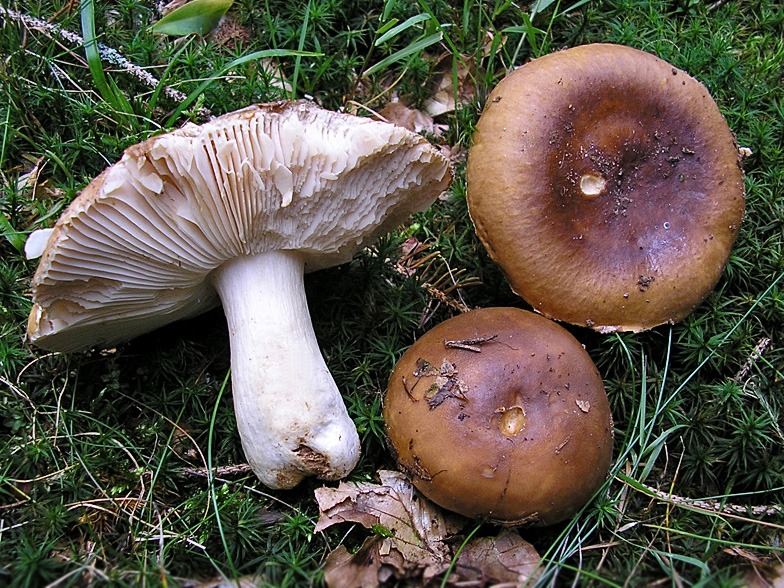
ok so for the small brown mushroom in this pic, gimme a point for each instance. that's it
(500, 414)
(607, 186)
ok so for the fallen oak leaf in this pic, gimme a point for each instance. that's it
(411, 118)
(507, 559)
(412, 548)
(452, 78)
(761, 575)
(362, 569)
(342, 505)
(254, 581)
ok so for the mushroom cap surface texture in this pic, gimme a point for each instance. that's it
(500, 414)
(135, 249)
(607, 186)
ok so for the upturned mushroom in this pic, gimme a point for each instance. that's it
(499, 414)
(607, 186)
(234, 212)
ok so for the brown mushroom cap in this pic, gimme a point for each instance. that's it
(607, 186)
(500, 414)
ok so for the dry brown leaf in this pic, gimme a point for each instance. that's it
(740, 552)
(409, 543)
(506, 559)
(230, 32)
(456, 154)
(489, 40)
(762, 576)
(31, 179)
(241, 582)
(451, 87)
(363, 569)
(412, 542)
(412, 119)
(409, 118)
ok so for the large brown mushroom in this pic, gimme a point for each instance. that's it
(500, 414)
(606, 184)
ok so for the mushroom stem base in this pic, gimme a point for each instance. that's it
(290, 415)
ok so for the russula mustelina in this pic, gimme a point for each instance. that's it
(499, 414)
(234, 212)
(607, 186)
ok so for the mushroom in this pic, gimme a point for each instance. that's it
(500, 414)
(234, 212)
(607, 186)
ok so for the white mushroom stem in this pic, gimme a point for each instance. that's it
(291, 417)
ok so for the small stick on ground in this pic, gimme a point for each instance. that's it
(106, 53)
(716, 506)
(761, 347)
(749, 386)
(420, 259)
(221, 471)
(452, 303)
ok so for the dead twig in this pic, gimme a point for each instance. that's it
(716, 5)
(435, 274)
(761, 347)
(107, 54)
(713, 506)
(750, 387)
(469, 344)
(220, 471)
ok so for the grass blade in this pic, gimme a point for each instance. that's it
(528, 31)
(300, 47)
(87, 15)
(165, 75)
(404, 26)
(237, 62)
(211, 476)
(197, 17)
(413, 48)
(10, 234)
